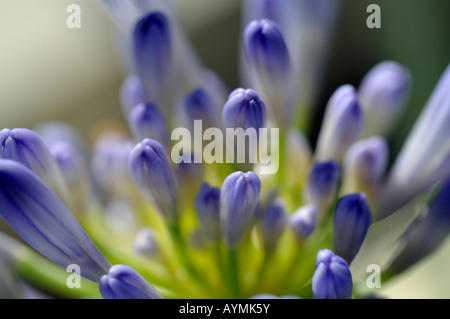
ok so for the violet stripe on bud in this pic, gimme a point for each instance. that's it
(150, 168)
(425, 156)
(123, 282)
(383, 93)
(273, 223)
(200, 105)
(238, 199)
(27, 148)
(207, 208)
(303, 221)
(322, 184)
(426, 233)
(364, 165)
(43, 221)
(268, 57)
(332, 278)
(342, 125)
(352, 219)
(153, 54)
(145, 121)
(132, 93)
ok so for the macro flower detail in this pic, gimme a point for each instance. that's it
(332, 279)
(300, 210)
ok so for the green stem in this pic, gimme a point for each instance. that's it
(233, 273)
(281, 159)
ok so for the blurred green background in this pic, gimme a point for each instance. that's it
(50, 72)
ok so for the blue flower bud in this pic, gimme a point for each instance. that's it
(304, 221)
(244, 109)
(207, 207)
(322, 184)
(383, 93)
(342, 125)
(332, 278)
(270, 67)
(238, 199)
(43, 221)
(123, 282)
(153, 54)
(27, 148)
(352, 219)
(151, 171)
(132, 93)
(424, 234)
(273, 223)
(145, 121)
(364, 165)
(201, 106)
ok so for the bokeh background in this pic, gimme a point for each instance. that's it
(50, 72)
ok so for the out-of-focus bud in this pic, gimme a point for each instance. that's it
(273, 223)
(207, 208)
(145, 242)
(322, 185)
(132, 93)
(303, 222)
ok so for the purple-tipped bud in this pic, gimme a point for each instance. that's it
(383, 93)
(201, 106)
(270, 66)
(322, 184)
(153, 54)
(145, 121)
(364, 165)
(352, 219)
(207, 207)
(43, 221)
(145, 242)
(332, 278)
(273, 223)
(27, 148)
(132, 93)
(75, 173)
(342, 125)
(123, 282)
(238, 199)
(304, 221)
(244, 109)
(150, 168)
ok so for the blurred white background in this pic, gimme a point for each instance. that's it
(48, 71)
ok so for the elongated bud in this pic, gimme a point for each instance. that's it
(145, 242)
(238, 199)
(145, 121)
(75, 173)
(352, 220)
(207, 208)
(123, 282)
(201, 106)
(322, 184)
(132, 93)
(364, 165)
(425, 156)
(332, 278)
(270, 65)
(425, 234)
(383, 93)
(43, 221)
(27, 148)
(273, 223)
(342, 125)
(150, 168)
(303, 221)
(153, 53)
